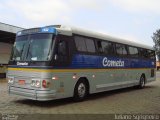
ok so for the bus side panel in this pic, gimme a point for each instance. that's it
(107, 78)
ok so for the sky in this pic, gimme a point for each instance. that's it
(134, 20)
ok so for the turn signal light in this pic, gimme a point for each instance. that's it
(55, 78)
(74, 76)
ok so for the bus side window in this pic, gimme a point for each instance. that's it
(99, 47)
(133, 52)
(62, 48)
(151, 54)
(62, 54)
(121, 50)
(143, 53)
(105, 47)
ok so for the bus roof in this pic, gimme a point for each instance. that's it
(69, 30)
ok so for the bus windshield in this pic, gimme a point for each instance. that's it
(36, 47)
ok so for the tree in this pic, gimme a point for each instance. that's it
(156, 40)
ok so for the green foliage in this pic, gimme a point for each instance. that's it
(156, 40)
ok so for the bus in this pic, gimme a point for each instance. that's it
(61, 61)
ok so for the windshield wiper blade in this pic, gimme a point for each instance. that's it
(28, 50)
(50, 49)
(22, 52)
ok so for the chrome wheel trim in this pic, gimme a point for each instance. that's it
(142, 82)
(81, 90)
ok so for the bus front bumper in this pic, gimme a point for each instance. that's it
(40, 95)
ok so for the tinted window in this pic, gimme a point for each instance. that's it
(105, 47)
(62, 48)
(84, 44)
(80, 44)
(133, 52)
(39, 47)
(90, 45)
(151, 54)
(143, 53)
(62, 51)
(121, 49)
(35, 47)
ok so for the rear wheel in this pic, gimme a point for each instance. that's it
(142, 82)
(80, 91)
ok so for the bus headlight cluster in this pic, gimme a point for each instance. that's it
(36, 83)
(10, 80)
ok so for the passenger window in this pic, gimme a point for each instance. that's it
(90, 45)
(133, 52)
(143, 53)
(105, 47)
(121, 49)
(151, 54)
(84, 44)
(99, 46)
(80, 44)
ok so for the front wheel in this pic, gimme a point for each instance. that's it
(142, 82)
(80, 91)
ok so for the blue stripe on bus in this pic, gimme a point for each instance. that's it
(89, 61)
(99, 62)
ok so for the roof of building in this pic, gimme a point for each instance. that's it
(9, 28)
(8, 32)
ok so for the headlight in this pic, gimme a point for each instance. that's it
(33, 83)
(10, 80)
(36, 83)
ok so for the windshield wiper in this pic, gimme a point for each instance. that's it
(50, 49)
(22, 52)
(28, 51)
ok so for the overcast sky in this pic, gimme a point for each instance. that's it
(135, 20)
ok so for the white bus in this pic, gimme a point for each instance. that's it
(59, 61)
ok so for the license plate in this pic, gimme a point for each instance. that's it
(21, 82)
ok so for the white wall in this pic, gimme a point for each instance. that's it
(5, 51)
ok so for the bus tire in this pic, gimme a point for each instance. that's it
(80, 91)
(142, 82)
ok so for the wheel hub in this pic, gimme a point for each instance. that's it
(81, 90)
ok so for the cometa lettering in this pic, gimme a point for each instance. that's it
(112, 63)
(25, 63)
